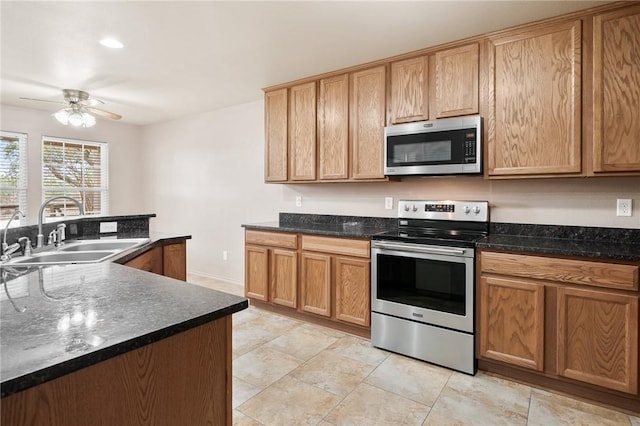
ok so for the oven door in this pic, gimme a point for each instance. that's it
(429, 284)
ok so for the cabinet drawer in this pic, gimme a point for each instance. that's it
(275, 239)
(600, 274)
(344, 246)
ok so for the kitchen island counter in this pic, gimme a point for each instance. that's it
(59, 319)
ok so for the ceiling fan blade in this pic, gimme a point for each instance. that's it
(103, 113)
(45, 100)
(91, 102)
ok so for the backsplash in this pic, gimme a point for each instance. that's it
(582, 233)
(86, 227)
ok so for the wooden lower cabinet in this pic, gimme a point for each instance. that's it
(569, 324)
(284, 277)
(315, 283)
(353, 293)
(325, 279)
(169, 260)
(512, 322)
(598, 338)
(256, 273)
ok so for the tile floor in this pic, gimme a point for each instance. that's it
(288, 372)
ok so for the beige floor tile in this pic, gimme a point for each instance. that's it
(240, 419)
(333, 372)
(247, 337)
(480, 400)
(263, 366)
(242, 391)
(369, 406)
(219, 285)
(302, 342)
(635, 421)
(245, 315)
(419, 381)
(548, 408)
(359, 349)
(275, 323)
(290, 402)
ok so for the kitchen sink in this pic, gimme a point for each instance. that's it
(79, 251)
(56, 257)
(90, 245)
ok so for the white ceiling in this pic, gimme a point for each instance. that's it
(185, 57)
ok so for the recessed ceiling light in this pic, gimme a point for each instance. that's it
(111, 43)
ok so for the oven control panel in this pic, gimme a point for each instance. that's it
(474, 211)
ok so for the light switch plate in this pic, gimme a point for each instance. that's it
(108, 227)
(388, 203)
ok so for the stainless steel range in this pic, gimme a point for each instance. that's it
(422, 282)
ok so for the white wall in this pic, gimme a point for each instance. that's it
(125, 183)
(204, 176)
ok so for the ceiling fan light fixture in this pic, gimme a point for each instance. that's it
(88, 120)
(111, 43)
(62, 116)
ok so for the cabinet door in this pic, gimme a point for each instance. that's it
(333, 127)
(256, 279)
(534, 113)
(367, 112)
(302, 132)
(456, 81)
(616, 91)
(353, 295)
(598, 338)
(275, 167)
(284, 273)
(315, 283)
(511, 325)
(409, 90)
(175, 260)
(150, 261)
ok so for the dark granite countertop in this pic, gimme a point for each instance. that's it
(598, 243)
(338, 226)
(62, 318)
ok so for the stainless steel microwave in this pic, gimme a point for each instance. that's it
(448, 146)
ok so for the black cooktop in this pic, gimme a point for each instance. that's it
(456, 234)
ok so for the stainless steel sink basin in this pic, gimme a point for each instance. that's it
(91, 245)
(50, 258)
(79, 251)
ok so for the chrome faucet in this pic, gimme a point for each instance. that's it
(40, 237)
(7, 249)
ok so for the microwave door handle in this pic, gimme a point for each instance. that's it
(419, 249)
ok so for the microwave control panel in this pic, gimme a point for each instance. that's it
(470, 146)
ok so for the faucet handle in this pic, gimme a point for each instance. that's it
(27, 245)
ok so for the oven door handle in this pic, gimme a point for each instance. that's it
(418, 249)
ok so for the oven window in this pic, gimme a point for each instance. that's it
(423, 283)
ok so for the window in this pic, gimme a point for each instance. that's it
(13, 175)
(77, 169)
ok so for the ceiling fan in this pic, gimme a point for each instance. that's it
(79, 107)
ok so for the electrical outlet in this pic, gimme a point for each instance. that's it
(388, 203)
(625, 207)
(298, 200)
(108, 227)
(224, 255)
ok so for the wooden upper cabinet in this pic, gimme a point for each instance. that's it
(598, 338)
(333, 128)
(302, 132)
(456, 81)
(367, 112)
(533, 119)
(275, 120)
(616, 91)
(409, 90)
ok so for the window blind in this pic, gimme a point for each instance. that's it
(13, 174)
